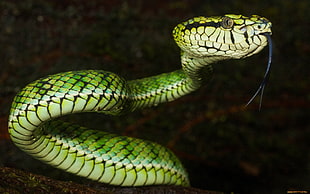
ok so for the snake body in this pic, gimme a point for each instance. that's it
(114, 159)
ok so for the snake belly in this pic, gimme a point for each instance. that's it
(114, 159)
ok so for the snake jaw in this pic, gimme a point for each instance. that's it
(255, 34)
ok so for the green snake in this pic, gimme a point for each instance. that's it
(121, 160)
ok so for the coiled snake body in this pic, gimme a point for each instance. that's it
(114, 159)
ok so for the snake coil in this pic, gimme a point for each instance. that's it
(114, 159)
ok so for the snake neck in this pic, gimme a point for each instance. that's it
(151, 91)
(197, 70)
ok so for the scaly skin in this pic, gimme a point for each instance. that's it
(114, 159)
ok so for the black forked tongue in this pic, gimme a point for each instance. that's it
(266, 76)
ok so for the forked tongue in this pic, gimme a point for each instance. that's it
(266, 76)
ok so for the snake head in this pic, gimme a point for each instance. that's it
(224, 37)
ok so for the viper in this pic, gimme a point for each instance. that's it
(121, 160)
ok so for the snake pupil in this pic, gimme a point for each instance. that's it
(227, 22)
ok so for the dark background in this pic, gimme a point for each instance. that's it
(223, 146)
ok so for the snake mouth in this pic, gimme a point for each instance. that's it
(264, 38)
(266, 33)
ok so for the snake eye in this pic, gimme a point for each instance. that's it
(227, 22)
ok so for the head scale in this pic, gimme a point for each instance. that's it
(229, 36)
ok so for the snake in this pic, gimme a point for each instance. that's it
(35, 125)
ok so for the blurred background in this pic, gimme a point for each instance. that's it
(223, 146)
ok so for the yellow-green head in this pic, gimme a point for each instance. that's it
(229, 36)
